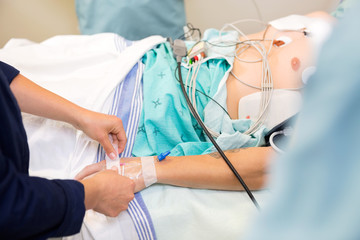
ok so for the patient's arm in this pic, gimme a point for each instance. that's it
(211, 172)
(38, 101)
(201, 171)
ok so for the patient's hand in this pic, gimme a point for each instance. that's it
(90, 170)
(130, 167)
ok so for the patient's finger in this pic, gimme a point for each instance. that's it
(114, 169)
(90, 169)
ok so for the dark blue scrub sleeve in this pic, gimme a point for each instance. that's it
(9, 71)
(37, 208)
(30, 207)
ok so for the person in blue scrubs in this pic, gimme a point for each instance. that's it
(132, 20)
(315, 185)
(342, 8)
(37, 208)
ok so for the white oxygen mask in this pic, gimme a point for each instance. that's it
(283, 105)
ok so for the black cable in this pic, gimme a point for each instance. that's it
(191, 31)
(237, 175)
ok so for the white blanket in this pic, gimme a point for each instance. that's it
(87, 70)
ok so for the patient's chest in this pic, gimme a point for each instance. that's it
(286, 64)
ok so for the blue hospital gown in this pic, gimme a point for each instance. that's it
(166, 122)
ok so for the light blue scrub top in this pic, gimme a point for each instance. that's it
(316, 192)
(132, 19)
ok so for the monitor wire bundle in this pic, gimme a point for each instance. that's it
(180, 51)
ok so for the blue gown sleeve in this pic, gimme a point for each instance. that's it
(38, 208)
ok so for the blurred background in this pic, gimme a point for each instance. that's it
(38, 20)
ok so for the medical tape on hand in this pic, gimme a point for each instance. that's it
(148, 170)
(113, 163)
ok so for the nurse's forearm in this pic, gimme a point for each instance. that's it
(211, 172)
(37, 100)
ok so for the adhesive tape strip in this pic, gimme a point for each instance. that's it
(113, 163)
(148, 170)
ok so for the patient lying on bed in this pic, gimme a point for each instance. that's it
(148, 98)
(166, 123)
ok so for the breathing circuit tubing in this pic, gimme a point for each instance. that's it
(197, 117)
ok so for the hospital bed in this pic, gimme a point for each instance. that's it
(72, 67)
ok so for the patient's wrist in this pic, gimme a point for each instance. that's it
(163, 170)
(140, 169)
(148, 170)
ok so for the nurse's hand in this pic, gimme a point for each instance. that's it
(108, 193)
(100, 126)
(131, 168)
